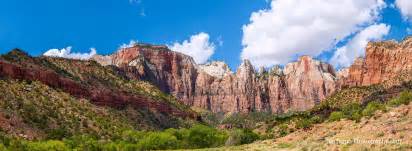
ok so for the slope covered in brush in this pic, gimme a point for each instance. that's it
(102, 86)
(33, 110)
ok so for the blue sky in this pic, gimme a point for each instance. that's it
(37, 26)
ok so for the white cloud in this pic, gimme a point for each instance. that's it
(66, 53)
(344, 56)
(405, 6)
(304, 27)
(199, 47)
(132, 43)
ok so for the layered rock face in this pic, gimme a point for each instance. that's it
(383, 61)
(299, 86)
(172, 72)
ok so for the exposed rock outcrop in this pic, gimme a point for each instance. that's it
(299, 86)
(383, 61)
(214, 87)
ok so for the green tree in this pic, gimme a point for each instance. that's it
(158, 141)
(201, 136)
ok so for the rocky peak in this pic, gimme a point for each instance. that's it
(383, 61)
(103, 60)
(216, 69)
(246, 68)
(309, 81)
(342, 73)
(308, 65)
(276, 70)
(407, 42)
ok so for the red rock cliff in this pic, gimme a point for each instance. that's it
(383, 61)
(299, 86)
(214, 87)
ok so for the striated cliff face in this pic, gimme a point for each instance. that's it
(383, 61)
(299, 86)
(309, 81)
(172, 72)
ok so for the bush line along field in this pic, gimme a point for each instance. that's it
(198, 136)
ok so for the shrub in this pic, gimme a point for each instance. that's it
(404, 98)
(351, 108)
(356, 116)
(47, 145)
(201, 136)
(83, 142)
(335, 116)
(316, 119)
(352, 111)
(16, 144)
(158, 141)
(249, 136)
(372, 107)
(283, 130)
(58, 133)
(3, 148)
(303, 123)
(241, 136)
(131, 136)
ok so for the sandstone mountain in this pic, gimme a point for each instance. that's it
(383, 61)
(298, 86)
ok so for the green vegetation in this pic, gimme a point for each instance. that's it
(304, 123)
(404, 98)
(372, 107)
(241, 136)
(39, 112)
(352, 111)
(199, 136)
(336, 116)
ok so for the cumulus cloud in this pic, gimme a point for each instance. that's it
(132, 43)
(66, 53)
(199, 47)
(304, 27)
(405, 6)
(345, 55)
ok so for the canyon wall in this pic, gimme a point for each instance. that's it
(383, 61)
(298, 86)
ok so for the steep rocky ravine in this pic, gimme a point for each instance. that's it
(298, 86)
